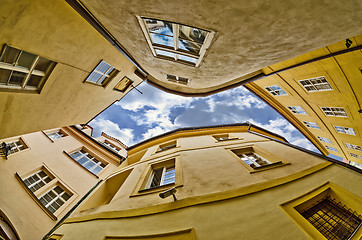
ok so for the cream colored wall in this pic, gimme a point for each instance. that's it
(53, 30)
(250, 213)
(29, 220)
(343, 72)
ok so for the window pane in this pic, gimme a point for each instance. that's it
(165, 53)
(193, 34)
(10, 55)
(17, 78)
(26, 59)
(188, 59)
(82, 160)
(189, 46)
(58, 189)
(34, 81)
(4, 76)
(42, 64)
(160, 27)
(65, 196)
(96, 170)
(162, 40)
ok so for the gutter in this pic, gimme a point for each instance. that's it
(90, 18)
(99, 144)
(46, 237)
(346, 165)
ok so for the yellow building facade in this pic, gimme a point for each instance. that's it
(55, 69)
(322, 97)
(219, 182)
(46, 173)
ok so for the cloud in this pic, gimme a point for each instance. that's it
(112, 129)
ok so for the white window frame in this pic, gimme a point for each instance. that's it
(308, 83)
(353, 146)
(57, 196)
(355, 155)
(164, 177)
(16, 148)
(56, 135)
(111, 146)
(104, 76)
(176, 79)
(323, 139)
(42, 180)
(90, 159)
(175, 50)
(331, 148)
(334, 111)
(311, 125)
(253, 159)
(275, 90)
(28, 71)
(297, 110)
(345, 130)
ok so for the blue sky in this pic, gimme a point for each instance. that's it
(140, 116)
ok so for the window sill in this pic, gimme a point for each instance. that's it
(267, 167)
(80, 165)
(155, 189)
(32, 195)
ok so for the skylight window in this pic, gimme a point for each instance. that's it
(176, 42)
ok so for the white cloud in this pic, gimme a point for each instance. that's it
(112, 129)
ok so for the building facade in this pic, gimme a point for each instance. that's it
(46, 173)
(221, 182)
(55, 69)
(322, 98)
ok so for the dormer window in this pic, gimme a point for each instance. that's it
(176, 42)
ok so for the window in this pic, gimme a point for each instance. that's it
(167, 146)
(345, 130)
(223, 137)
(16, 146)
(316, 84)
(334, 111)
(101, 74)
(332, 218)
(323, 139)
(176, 42)
(111, 146)
(37, 180)
(352, 146)
(123, 84)
(56, 135)
(54, 198)
(20, 70)
(331, 148)
(176, 79)
(161, 176)
(275, 90)
(311, 125)
(355, 155)
(88, 161)
(297, 110)
(256, 159)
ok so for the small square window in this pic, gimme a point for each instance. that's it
(345, 130)
(37, 180)
(355, 155)
(56, 135)
(167, 146)
(275, 90)
(21, 70)
(16, 146)
(176, 42)
(223, 137)
(176, 79)
(316, 84)
(334, 111)
(101, 74)
(161, 176)
(111, 146)
(297, 110)
(311, 125)
(332, 148)
(323, 139)
(123, 84)
(54, 198)
(353, 146)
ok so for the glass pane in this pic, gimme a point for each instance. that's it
(96, 170)
(75, 155)
(34, 81)
(82, 160)
(48, 198)
(103, 67)
(26, 59)
(88, 165)
(95, 77)
(109, 70)
(189, 46)
(42, 64)
(17, 78)
(165, 53)
(4, 76)
(162, 40)
(10, 55)
(58, 189)
(48, 179)
(187, 59)
(42, 174)
(51, 209)
(65, 196)
(160, 27)
(192, 34)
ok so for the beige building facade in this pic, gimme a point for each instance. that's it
(46, 173)
(220, 182)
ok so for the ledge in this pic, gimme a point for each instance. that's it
(32, 195)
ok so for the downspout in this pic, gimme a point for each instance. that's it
(71, 211)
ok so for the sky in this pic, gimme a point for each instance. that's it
(137, 117)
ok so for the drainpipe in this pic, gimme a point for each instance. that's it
(71, 211)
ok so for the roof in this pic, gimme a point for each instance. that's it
(205, 127)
